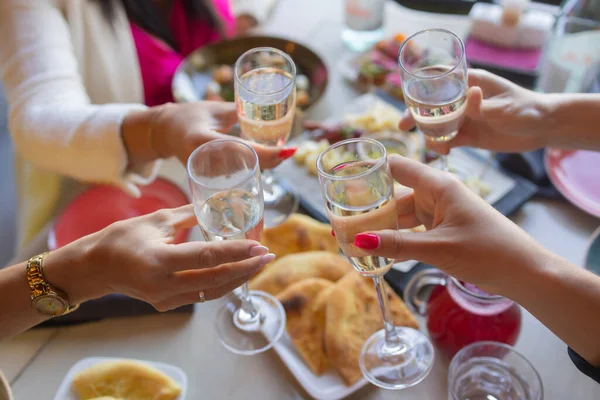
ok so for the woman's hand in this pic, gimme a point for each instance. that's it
(244, 24)
(178, 129)
(500, 116)
(465, 236)
(136, 257)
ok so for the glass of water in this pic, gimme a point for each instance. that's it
(265, 95)
(492, 370)
(434, 82)
(224, 178)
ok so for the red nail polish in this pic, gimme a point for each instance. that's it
(287, 153)
(367, 241)
(332, 233)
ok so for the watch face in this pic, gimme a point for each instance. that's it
(49, 305)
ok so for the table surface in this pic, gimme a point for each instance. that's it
(36, 361)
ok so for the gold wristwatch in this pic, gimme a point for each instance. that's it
(45, 299)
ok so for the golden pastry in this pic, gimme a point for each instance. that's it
(305, 305)
(297, 234)
(353, 315)
(293, 268)
(125, 379)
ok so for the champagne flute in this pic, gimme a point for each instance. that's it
(265, 96)
(434, 82)
(358, 190)
(227, 194)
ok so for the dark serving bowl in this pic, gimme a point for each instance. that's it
(194, 73)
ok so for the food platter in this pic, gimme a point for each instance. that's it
(196, 73)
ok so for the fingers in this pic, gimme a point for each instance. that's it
(201, 255)
(194, 296)
(405, 204)
(190, 280)
(438, 147)
(474, 101)
(407, 122)
(399, 245)
(475, 111)
(408, 172)
(490, 84)
(270, 157)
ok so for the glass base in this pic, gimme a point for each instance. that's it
(242, 333)
(280, 202)
(400, 367)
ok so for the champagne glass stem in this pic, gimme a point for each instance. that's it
(247, 305)
(392, 341)
(267, 181)
(444, 165)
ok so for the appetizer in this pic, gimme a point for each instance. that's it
(220, 87)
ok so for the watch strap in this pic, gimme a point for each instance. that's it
(39, 285)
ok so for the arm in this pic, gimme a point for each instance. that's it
(65, 269)
(52, 121)
(163, 274)
(572, 121)
(502, 116)
(564, 297)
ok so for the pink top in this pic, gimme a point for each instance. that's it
(158, 61)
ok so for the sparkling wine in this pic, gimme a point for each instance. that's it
(437, 104)
(486, 378)
(266, 102)
(230, 215)
(360, 205)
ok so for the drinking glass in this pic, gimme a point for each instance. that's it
(492, 370)
(358, 190)
(265, 96)
(227, 195)
(434, 83)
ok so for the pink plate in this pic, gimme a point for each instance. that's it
(100, 206)
(576, 174)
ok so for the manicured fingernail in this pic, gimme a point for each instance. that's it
(367, 241)
(332, 233)
(287, 153)
(258, 251)
(267, 258)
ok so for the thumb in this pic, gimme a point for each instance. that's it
(474, 103)
(399, 245)
(407, 122)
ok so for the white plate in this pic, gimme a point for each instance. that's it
(328, 386)
(66, 393)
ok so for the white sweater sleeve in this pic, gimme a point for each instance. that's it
(51, 119)
(259, 9)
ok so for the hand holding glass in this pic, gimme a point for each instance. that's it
(225, 181)
(265, 96)
(358, 190)
(434, 82)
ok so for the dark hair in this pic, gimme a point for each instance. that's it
(148, 16)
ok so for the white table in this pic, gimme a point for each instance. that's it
(36, 362)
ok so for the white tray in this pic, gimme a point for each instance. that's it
(66, 393)
(328, 386)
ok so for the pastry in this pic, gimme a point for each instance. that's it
(293, 268)
(299, 233)
(353, 315)
(125, 379)
(305, 305)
